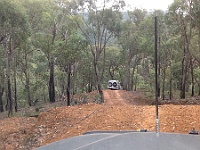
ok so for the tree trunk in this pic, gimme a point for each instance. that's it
(89, 82)
(51, 82)
(63, 90)
(97, 73)
(51, 67)
(9, 95)
(127, 81)
(27, 85)
(1, 100)
(135, 88)
(128, 67)
(132, 78)
(186, 38)
(183, 79)
(199, 88)
(73, 82)
(89, 86)
(99, 87)
(185, 65)
(15, 81)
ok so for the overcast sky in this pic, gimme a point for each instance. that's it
(150, 4)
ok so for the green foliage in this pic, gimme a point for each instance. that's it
(13, 21)
(95, 42)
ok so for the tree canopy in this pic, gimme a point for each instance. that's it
(51, 50)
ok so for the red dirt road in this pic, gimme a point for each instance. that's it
(114, 97)
(121, 111)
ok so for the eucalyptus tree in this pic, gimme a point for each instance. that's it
(2, 74)
(43, 20)
(130, 39)
(68, 46)
(37, 12)
(14, 30)
(98, 25)
(195, 16)
(197, 78)
(86, 73)
(69, 53)
(113, 62)
(180, 15)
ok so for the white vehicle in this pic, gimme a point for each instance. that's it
(114, 85)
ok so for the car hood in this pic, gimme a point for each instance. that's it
(127, 141)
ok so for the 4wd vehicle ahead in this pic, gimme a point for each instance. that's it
(114, 85)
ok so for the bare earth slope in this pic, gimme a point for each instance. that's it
(121, 111)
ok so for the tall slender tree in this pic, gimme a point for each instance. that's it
(98, 27)
(14, 28)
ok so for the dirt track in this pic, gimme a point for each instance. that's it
(116, 114)
(114, 97)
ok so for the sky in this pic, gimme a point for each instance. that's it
(149, 4)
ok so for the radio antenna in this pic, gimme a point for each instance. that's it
(156, 74)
